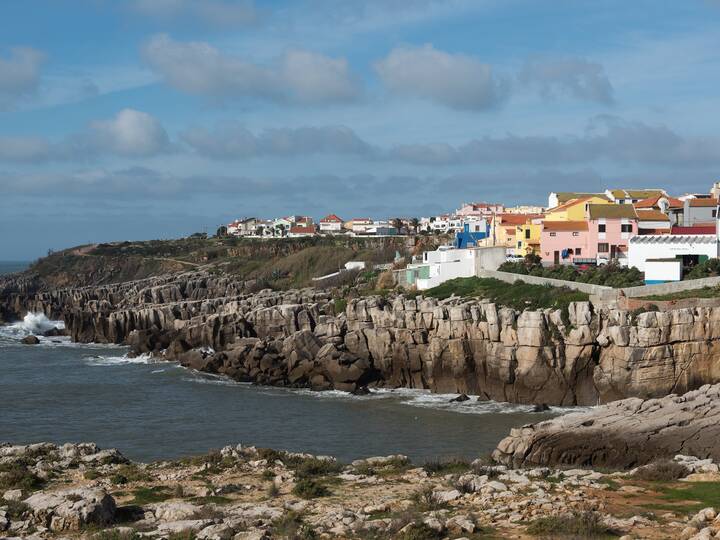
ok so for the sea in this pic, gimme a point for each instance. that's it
(60, 391)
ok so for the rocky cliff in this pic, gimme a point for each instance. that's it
(296, 338)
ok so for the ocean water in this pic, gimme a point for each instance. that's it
(64, 392)
(10, 267)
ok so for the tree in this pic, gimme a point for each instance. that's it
(280, 229)
(415, 224)
(398, 224)
(259, 230)
(221, 232)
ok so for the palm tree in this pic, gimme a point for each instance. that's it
(415, 224)
(398, 224)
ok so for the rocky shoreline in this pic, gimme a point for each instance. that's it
(247, 493)
(307, 338)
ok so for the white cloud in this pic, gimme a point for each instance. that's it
(19, 74)
(456, 80)
(576, 77)
(213, 12)
(299, 76)
(130, 133)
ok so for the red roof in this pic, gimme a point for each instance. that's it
(708, 203)
(332, 218)
(652, 202)
(302, 229)
(565, 226)
(697, 229)
(517, 219)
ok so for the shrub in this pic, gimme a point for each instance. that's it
(273, 491)
(291, 525)
(386, 280)
(15, 509)
(579, 524)
(449, 466)
(662, 471)
(419, 531)
(18, 476)
(91, 474)
(426, 499)
(308, 488)
(312, 467)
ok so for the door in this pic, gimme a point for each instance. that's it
(556, 258)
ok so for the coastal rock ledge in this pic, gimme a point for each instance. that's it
(621, 434)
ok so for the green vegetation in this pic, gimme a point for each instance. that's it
(393, 466)
(149, 495)
(14, 509)
(662, 471)
(585, 524)
(91, 474)
(705, 292)
(610, 275)
(518, 295)
(689, 498)
(427, 501)
(447, 466)
(129, 473)
(708, 268)
(17, 476)
(308, 488)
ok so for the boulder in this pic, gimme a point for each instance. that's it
(30, 340)
(72, 509)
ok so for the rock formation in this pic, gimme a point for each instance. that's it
(622, 434)
(295, 338)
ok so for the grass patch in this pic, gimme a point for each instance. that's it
(419, 531)
(396, 465)
(427, 501)
(688, 499)
(518, 295)
(705, 292)
(585, 524)
(662, 471)
(15, 509)
(129, 473)
(308, 488)
(149, 495)
(211, 499)
(447, 466)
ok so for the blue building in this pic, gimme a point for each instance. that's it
(471, 234)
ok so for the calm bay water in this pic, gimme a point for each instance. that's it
(10, 267)
(60, 392)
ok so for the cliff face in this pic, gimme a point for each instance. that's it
(295, 338)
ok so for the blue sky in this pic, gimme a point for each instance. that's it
(157, 118)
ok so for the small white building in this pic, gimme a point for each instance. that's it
(331, 224)
(688, 248)
(663, 270)
(447, 263)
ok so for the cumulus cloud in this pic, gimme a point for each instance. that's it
(575, 77)
(234, 141)
(456, 80)
(213, 12)
(130, 133)
(298, 76)
(19, 74)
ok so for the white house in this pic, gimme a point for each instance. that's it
(447, 263)
(689, 248)
(280, 226)
(331, 224)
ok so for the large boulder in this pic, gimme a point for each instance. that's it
(72, 509)
(621, 434)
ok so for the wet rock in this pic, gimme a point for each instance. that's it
(30, 340)
(460, 398)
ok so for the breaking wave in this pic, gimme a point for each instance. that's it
(104, 361)
(32, 324)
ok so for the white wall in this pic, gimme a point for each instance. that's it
(639, 252)
(663, 270)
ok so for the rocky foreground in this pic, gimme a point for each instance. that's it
(243, 493)
(308, 338)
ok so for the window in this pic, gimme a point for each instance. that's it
(575, 233)
(578, 251)
(519, 245)
(602, 227)
(714, 213)
(527, 233)
(626, 227)
(603, 247)
(553, 234)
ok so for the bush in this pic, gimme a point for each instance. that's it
(15, 509)
(449, 466)
(708, 268)
(579, 524)
(18, 476)
(427, 501)
(308, 488)
(291, 525)
(419, 531)
(386, 280)
(662, 471)
(312, 467)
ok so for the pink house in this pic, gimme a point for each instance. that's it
(610, 227)
(563, 242)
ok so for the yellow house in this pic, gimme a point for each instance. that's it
(527, 237)
(574, 209)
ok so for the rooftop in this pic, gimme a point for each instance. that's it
(636, 193)
(611, 211)
(652, 202)
(652, 215)
(565, 196)
(565, 226)
(704, 203)
(696, 229)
